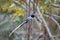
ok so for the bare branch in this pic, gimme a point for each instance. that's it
(55, 16)
(45, 24)
(55, 5)
(53, 20)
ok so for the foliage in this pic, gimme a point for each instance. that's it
(57, 1)
(22, 1)
(19, 12)
(11, 17)
(16, 10)
(46, 4)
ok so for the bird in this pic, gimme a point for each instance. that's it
(29, 18)
(24, 22)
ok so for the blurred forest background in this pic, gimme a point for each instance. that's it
(46, 25)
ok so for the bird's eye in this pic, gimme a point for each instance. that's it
(32, 16)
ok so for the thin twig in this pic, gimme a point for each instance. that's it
(45, 24)
(53, 20)
(55, 16)
(55, 5)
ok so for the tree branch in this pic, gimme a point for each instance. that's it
(45, 24)
(53, 20)
(55, 5)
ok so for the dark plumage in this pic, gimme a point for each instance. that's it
(32, 16)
